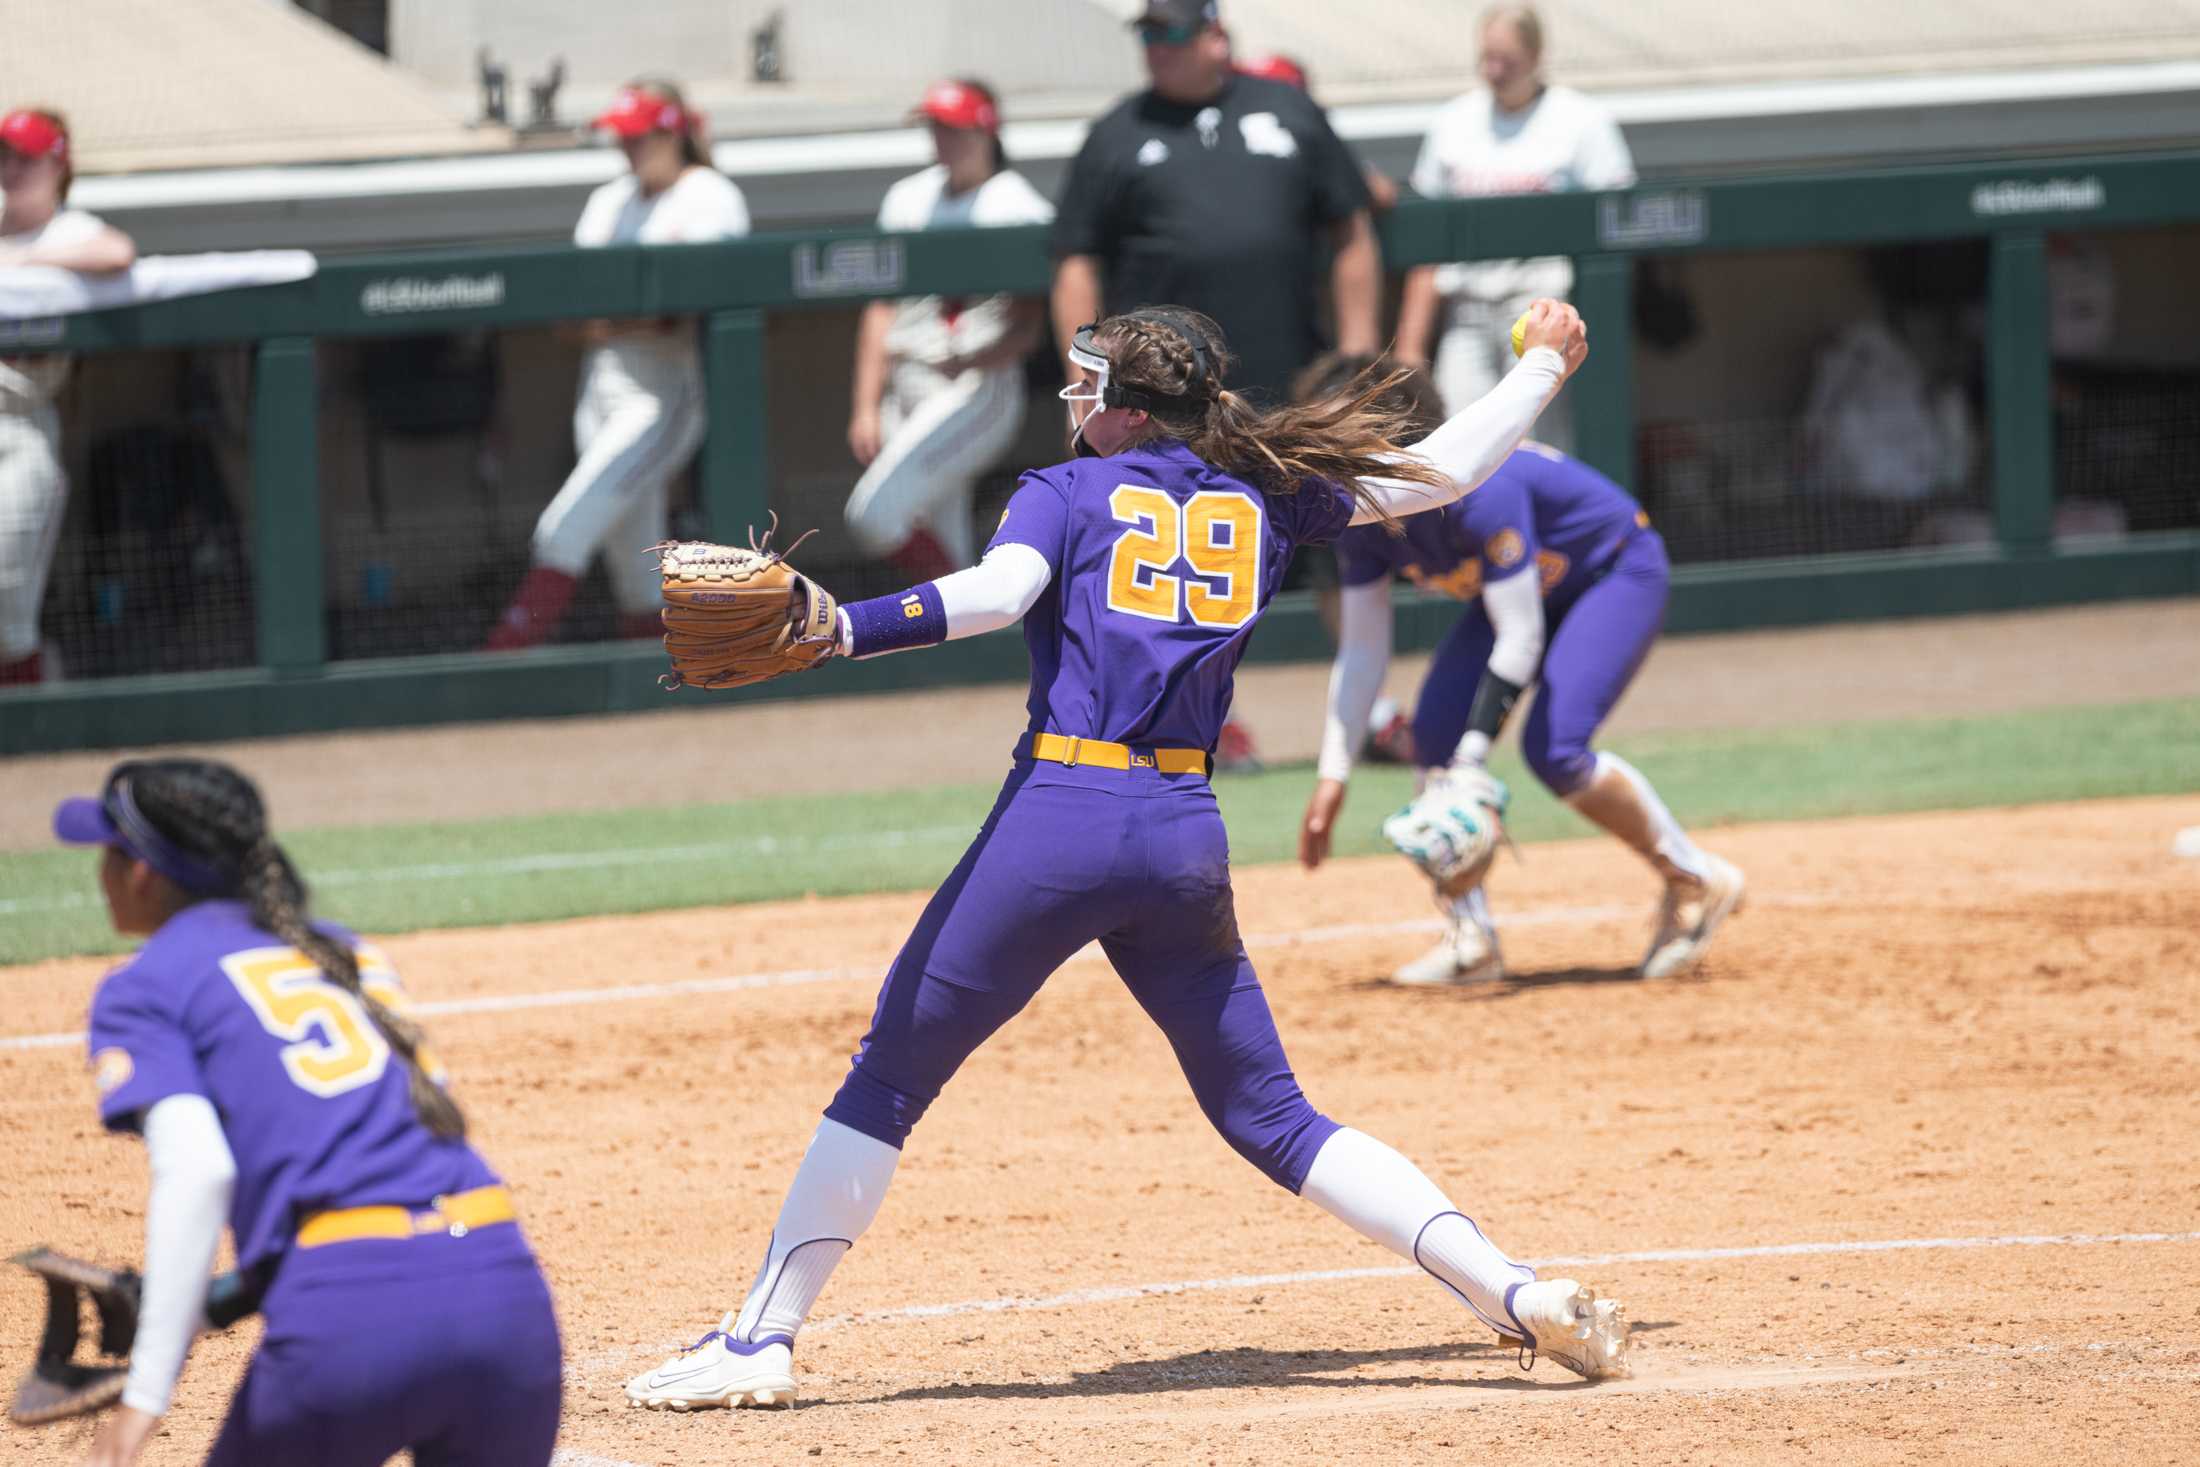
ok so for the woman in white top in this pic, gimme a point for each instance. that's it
(1515, 134)
(35, 229)
(939, 381)
(641, 410)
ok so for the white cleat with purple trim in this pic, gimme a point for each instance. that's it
(719, 1371)
(1565, 1321)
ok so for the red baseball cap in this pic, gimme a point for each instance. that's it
(955, 105)
(33, 134)
(638, 111)
(1275, 68)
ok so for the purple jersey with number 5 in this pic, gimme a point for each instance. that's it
(1162, 564)
(1541, 510)
(313, 1103)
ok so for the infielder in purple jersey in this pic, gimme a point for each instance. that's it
(1139, 572)
(1565, 584)
(267, 1061)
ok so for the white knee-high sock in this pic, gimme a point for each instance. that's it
(1373, 1189)
(836, 1193)
(1673, 843)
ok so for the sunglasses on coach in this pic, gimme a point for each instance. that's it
(1158, 33)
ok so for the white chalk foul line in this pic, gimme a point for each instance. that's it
(762, 845)
(1124, 1292)
(795, 977)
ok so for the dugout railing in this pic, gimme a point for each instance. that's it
(294, 687)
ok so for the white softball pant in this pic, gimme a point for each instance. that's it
(32, 496)
(638, 421)
(1474, 354)
(941, 434)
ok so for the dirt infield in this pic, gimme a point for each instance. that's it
(733, 751)
(1978, 1033)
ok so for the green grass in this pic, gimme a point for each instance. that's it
(408, 877)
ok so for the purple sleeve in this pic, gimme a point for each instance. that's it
(1501, 515)
(1360, 557)
(1316, 515)
(1038, 515)
(140, 1052)
(913, 618)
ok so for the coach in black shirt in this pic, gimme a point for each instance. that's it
(1214, 190)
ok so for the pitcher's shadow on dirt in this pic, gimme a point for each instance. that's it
(1246, 1366)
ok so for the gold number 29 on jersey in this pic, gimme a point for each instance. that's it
(334, 1046)
(1216, 532)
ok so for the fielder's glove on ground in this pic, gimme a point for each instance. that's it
(1452, 828)
(57, 1386)
(734, 617)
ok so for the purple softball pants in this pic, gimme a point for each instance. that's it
(1596, 643)
(1137, 861)
(446, 1346)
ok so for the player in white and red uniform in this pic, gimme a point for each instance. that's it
(641, 411)
(1514, 134)
(939, 382)
(35, 229)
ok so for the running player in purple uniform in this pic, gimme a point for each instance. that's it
(1566, 584)
(1139, 572)
(268, 1063)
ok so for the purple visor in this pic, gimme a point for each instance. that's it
(115, 820)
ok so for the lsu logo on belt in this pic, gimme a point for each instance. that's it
(1505, 549)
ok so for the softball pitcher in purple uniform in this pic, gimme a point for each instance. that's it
(1566, 585)
(268, 1064)
(1139, 572)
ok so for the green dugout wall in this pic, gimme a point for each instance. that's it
(733, 286)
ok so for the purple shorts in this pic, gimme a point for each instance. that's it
(1137, 861)
(1595, 644)
(444, 1346)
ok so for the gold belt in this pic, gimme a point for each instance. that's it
(1100, 754)
(458, 1214)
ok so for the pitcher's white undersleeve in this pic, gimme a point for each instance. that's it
(1673, 842)
(1471, 443)
(836, 1193)
(994, 593)
(1379, 1193)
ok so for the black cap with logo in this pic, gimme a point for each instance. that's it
(1179, 14)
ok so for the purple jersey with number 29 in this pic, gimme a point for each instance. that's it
(1162, 565)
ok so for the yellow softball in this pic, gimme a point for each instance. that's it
(1520, 334)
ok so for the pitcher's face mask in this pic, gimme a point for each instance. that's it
(1099, 391)
(1092, 392)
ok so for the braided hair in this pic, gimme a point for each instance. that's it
(1342, 438)
(213, 812)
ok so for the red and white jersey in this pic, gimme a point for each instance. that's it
(702, 205)
(28, 383)
(931, 328)
(1559, 143)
